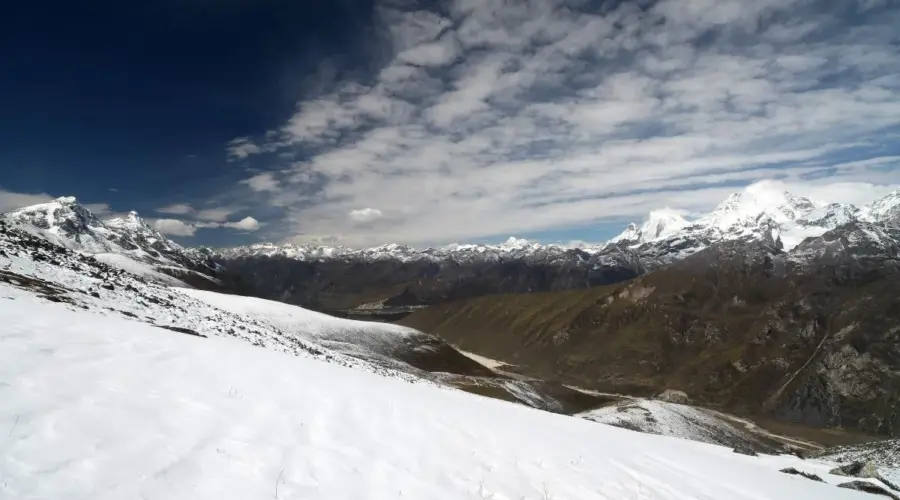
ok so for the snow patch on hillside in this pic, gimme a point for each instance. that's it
(671, 419)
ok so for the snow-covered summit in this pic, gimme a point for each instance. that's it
(63, 218)
(131, 221)
(67, 223)
(659, 224)
(764, 211)
(885, 209)
(763, 199)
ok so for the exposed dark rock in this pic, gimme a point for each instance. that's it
(339, 285)
(868, 487)
(179, 329)
(746, 451)
(807, 475)
(854, 469)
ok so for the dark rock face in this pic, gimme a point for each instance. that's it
(331, 285)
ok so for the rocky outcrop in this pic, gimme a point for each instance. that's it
(868, 487)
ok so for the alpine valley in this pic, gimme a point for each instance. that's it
(770, 324)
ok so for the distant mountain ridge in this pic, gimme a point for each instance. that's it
(761, 211)
(388, 277)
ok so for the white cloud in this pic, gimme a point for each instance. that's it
(262, 182)
(242, 147)
(219, 214)
(437, 53)
(176, 209)
(513, 117)
(365, 214)
(245, 224)
(11, 201)
(173, 227)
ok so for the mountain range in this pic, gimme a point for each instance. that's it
(761, 211)
(390, 280)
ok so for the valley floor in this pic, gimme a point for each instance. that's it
(104, 407)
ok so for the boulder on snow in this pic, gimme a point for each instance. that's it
(854, 469)
(744, 450)
(864, 470)
(868, 487)
(807, 475)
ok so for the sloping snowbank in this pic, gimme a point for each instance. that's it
(136, 268)
(672, 419)
(98, 407)
(380, 342)
(290, 317)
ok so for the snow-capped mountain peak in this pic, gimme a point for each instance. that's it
(659, 224)
(67, 223)
(767, 198)
(662, 223)
(513, 243)
(62, 216)
(131, 221)
(630, 234)
(885, 209)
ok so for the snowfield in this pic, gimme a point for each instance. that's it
(677, 420)
(107, 407)
(311, 325)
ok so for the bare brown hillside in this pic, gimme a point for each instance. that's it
(755, 330)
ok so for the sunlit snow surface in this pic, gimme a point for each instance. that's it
(104, 407)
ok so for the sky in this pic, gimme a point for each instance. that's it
(226, 122)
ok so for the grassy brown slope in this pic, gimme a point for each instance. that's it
(727, 327)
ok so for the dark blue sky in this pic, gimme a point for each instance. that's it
(374, 121)
(142, 96)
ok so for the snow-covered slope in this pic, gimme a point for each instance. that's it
(106, 407)
(381, 342)
(675, 420)
(88, 283)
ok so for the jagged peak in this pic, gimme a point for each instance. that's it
(886, 208)
(66, 200)
(662, 222)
